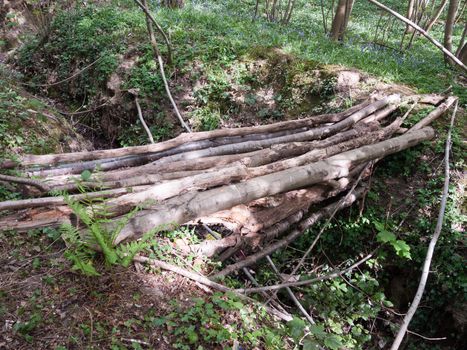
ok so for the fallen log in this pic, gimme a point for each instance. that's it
(188, 206)
(54, 159)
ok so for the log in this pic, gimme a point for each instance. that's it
(54, 159)
(304, 224)
(435, 114)
(188, 206)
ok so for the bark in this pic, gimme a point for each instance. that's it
(183, 142)
(449, 27)
(436, 16)
(173, 3)
(339, 19)
(186, 207)
(304, 224)
(435, 114)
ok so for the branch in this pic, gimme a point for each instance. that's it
(431, 247)
(423, 32)
(306, 282)
(159, 29)
(25, 181)
(141, 119)
(207, 282)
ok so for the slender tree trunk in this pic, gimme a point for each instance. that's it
(452, 12)
(435, 18)
(410, 15)
(339, 20)
(173, 3)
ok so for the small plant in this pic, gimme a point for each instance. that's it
(101, 232)
(203, 323)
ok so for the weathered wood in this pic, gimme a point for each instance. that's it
(186, 207)
(435, 114)
(54, 159)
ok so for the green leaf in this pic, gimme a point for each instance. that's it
(296, 327)
(310, 344)
(318, 330)
(86, 175)
(333, 342)
(386, 236)
(402, 249)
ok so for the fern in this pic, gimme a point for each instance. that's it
(93, 213)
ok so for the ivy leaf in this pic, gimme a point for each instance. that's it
(318, 330)
(333, 342)
(385, 236)
(86, 175)
(310, 344)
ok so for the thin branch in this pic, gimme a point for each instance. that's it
(141, 119)
(67, 79)
(149, 21)
(332, 275)
(423, 32)
(290, 293)
(25, 181)
(207, 282)
(429, 255)
(151, 18)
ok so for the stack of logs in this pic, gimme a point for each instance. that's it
(259, 182)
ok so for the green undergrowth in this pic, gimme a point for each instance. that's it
(213, 43)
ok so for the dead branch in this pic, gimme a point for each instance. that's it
(429, 255)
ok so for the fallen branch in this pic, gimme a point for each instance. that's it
(207, 282)
(423, 32)
(305, 282)
(303, 225)
(429, 255)
(25, 181)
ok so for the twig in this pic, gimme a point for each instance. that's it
(25, 181)
(141, 119)
(429, 255)
(67, 79)
(290, 293)
(136, 341)
(207, 282)
(305, 282)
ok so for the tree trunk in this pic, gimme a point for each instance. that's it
(173, 3)
(449, 28)
(435, 18)
(339, 20)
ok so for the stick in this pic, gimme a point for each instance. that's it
(431, 247)
(290, 293)
(305, 282)
(207, 282)
(25, 181)
(423, 32)
(141, 119)
(312, 219)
